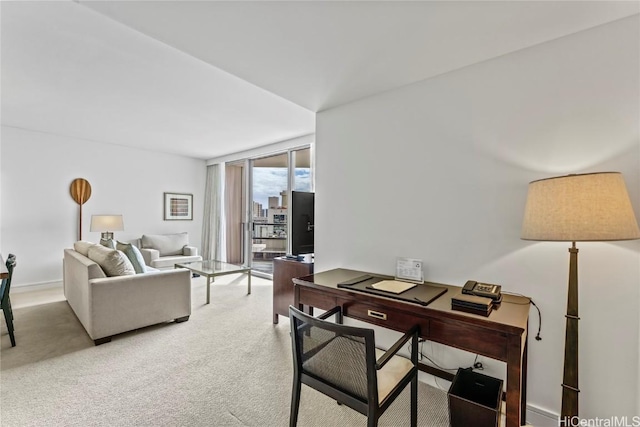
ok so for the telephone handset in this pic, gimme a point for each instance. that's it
(486, 290)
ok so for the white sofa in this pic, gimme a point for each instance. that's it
(108, 306)
(164, 251)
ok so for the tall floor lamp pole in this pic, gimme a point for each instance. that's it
(577, 208)
(570, 388)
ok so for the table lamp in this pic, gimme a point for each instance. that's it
(107, 224)
(590, 207)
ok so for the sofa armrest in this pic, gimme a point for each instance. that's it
(190, 251)
(149, 255)
(77, 271)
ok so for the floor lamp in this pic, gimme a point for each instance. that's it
(590, 207)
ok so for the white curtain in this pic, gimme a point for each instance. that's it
(213, 235)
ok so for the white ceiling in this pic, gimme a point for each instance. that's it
(70, 71)
(207, 78)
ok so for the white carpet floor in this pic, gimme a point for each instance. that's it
(227, 366)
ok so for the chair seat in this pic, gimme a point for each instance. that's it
(391, 373)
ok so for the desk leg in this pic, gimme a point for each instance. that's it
(296, 302)
(249, 287)
(208, 289)
(523, 400)
(515, 374)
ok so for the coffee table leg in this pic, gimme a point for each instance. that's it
(208, 289)
(249, 285)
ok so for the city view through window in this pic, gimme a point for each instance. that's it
(269, 212)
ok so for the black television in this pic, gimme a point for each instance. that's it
(302, 207)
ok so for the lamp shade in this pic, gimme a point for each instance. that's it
(107, 223)
(579, 208)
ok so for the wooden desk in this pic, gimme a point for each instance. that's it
(4, 273)
(501, 336)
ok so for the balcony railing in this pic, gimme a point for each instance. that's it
(268, 241)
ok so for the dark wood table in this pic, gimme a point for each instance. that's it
(501, 336)
(284, 270)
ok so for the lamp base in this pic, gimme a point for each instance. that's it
(106, 235)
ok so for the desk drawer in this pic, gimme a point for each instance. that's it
(385, 317)
(317, 299)
(467, 337)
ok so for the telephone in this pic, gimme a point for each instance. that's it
(486, 290)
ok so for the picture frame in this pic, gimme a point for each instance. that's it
(178, 206)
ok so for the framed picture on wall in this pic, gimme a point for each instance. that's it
(178, 206)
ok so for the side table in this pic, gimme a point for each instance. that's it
(284, 270)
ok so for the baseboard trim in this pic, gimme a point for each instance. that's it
(539, 417)
(37, 286)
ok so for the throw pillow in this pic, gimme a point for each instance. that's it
(113, 262)
(108, 243)
(166, 244)
(134, 255)
(82, 247)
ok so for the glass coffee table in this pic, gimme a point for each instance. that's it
(212, 268)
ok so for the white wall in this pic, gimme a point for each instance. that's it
(438, 170)
(1, 194)
(40, 219)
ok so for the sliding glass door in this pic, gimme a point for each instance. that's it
(270, 189)
(302, 171)
(257, 192)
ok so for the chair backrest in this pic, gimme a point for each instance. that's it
(6, 283)
(341, 357)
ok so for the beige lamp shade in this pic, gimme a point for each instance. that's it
(579, 208)
(107, 223)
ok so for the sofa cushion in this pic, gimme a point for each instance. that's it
(134, 255)
(113, 262)
(108, 243)
(82, 247)
(166, 244)
(135, 242)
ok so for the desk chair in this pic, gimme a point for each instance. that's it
(5, 302)
(342, 362)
